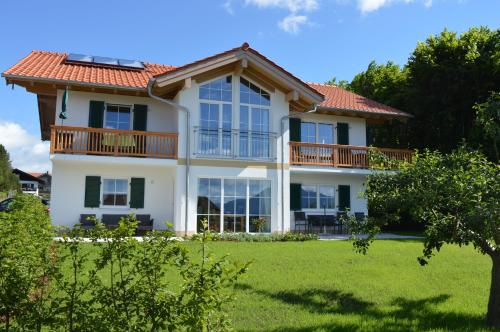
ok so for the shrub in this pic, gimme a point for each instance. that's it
(247, 237)
(27, 262)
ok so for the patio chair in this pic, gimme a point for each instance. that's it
(145, 223)
(329, 221)
(300, 220)
(360, 216)
(85, 222)
(111, 220)
(314, 221)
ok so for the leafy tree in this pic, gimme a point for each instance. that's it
(443, 79)
(8, 181)
(454, 195)
(488, 125)
(342, 83)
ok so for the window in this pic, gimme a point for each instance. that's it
(246, 204)
(209, 203)
(216, 117)
(308, 197)
(326, 197)
(254, 120)
(218, 90)
(115, 192)
(325, 133)
(235, 205)
(118, 117)
(260, 205)
(317, 197)
(308, 132)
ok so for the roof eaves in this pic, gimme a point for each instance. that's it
(387, 114)
(72, 82)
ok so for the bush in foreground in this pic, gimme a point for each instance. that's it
(113, 283)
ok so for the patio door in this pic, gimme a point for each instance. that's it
(215, 129)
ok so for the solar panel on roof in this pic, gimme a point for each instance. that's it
(80, 57)
(130, 63)
(106, 61)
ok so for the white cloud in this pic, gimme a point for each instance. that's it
(291, 5)
(26, 151)
(228, 6)
(366, 6)
(292, 23)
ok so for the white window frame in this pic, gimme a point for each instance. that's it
(316, 129)
(318, 200)
(131, 109)
(126, 206)
(250, 106)
(247, 199)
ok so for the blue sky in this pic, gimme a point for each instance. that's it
(314, 39)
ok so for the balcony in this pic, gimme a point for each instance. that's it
(234, 144)
(334, 155)
(112, 142)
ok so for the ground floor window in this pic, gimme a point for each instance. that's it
(115, 192)
(234, 205)
(317, 196)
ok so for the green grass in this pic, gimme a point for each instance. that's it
(326, 286)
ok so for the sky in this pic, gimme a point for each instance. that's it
(314, 39)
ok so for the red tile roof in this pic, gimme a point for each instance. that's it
(51, 66)
(341, 99)
(36, 174)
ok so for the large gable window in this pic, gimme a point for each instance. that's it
(216, 117)
(254, 120)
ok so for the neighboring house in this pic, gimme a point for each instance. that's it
(44, 187)
(29, 184)
(230, 138)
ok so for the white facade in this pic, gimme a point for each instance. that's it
(165, 179)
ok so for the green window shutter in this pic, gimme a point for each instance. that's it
(295, 189)
(96, 114)
(140, 117)
(137, 193)
(92, 191)
(343, 133)
(344, 197)
(294, 129)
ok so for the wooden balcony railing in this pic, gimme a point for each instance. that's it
(335, 155)
(112, 142)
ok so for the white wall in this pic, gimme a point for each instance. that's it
(357, 126)
(161, 117)
(68, 190)
(356, 181)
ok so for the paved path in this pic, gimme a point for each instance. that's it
(379, 236)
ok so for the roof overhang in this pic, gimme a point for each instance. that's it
(372, 117)
(46, 91)
(242, 61)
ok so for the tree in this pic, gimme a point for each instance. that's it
(455, 195)
(8, 181)
(488, 126)
(443, 79)
(342, 83)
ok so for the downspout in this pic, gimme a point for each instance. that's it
(286, 117)
(188, 152)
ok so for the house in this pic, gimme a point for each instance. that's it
(44, 186)
(230, 138)
(30, 184)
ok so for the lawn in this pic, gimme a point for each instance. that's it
(325, 286)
